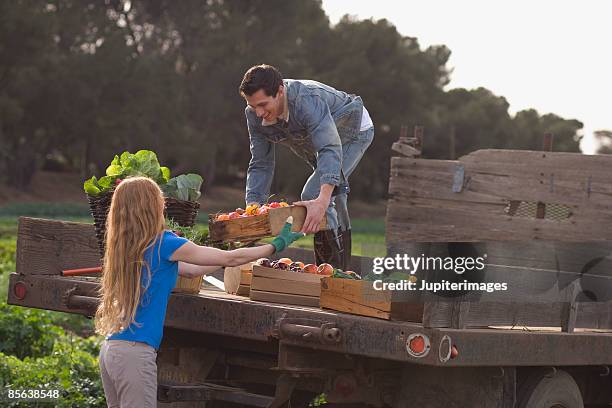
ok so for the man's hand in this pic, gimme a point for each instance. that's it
(315, 211)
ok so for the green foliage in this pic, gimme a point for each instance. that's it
(26, 332)
(8, 246)
(185, 187)
(318, 401)
(71, 367)
(191, 233)
(143, 163)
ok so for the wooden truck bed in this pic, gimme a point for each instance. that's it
(217, 313)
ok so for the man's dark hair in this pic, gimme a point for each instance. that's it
(258, 77)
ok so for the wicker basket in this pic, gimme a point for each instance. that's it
(99, 207)
(183, 213)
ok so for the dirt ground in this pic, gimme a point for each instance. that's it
(55, 187)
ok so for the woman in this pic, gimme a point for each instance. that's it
(141, 263)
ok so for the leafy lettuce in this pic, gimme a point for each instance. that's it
(185, 187)
(142, 163)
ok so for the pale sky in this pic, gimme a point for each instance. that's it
(553, 56)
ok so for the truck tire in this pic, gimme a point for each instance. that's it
(546, 389)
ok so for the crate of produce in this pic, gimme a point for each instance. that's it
(237, 279)
(359, 297)
(256, 222)
(288, 282)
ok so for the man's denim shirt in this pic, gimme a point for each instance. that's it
(321, 120)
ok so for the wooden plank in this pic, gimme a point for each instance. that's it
(284, 298)
(406, 221)
(360, 298)
(549, 159)
(568, 321)
(286, 286)
(405, 149)
(549, 255)
(48, 292)
(243, 290)
(46, 247)
(518, 169)
(591, 315)
(346, 295)
(268, 281)
(433, 182)
(236, 276)
(459, 314)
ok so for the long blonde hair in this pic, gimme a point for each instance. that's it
(134, 223)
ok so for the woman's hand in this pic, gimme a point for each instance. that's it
(286, 237)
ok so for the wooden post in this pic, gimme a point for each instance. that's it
(419, 131)
(547, 146)
(409, 147)
(451, 144)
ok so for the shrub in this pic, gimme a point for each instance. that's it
(71, 368)
(26, 332)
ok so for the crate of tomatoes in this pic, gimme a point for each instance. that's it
(255, 222)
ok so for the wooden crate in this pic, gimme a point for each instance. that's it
(258, 226)
(359, 298)
(188, 285)
(237, 279)
(280, 286)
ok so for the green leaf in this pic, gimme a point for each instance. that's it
(116, 161)
(185, 187)
(106, 183)
(90, 186)
(165, 172)
(114, 170)
(145, 162)
(126, 159)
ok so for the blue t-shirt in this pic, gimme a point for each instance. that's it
(151, 310)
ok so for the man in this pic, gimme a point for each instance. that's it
(327, 128)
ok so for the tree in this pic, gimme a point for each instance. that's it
(604, 140)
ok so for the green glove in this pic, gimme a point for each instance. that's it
(286, 237)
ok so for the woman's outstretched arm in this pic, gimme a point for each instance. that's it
(191, 253)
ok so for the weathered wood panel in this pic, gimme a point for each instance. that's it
(592, 315)
(492, 195)
(46, 247)
(430, 202)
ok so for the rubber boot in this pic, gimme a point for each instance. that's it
(347, 247)
(327, 248)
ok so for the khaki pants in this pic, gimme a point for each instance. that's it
(129, 374)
